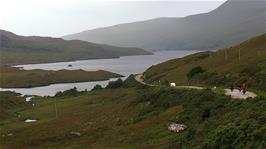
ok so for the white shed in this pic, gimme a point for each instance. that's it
(172, 84)
(28, 99)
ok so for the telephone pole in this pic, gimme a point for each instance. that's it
(55, 108)
(239, 54)
(225, 54)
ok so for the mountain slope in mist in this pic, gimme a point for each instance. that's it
(231, 23)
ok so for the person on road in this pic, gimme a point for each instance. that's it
(232, 87)
(244, 88)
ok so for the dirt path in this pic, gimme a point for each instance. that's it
(239, 95)
(138, 77)
(234, 94)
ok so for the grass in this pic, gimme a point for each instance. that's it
(222, 67)
(99, 116)
(12, 77)
(131, 116)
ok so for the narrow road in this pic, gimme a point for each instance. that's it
(234, 94)
(138, 78)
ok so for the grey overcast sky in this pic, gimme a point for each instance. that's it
(60, 17)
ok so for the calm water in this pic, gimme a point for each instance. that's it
(125, 66)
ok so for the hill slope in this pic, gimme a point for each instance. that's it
(17, 49)
(229, 24)
(217, 68)
(134, 117)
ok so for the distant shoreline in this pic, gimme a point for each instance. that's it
(49, 62)
(14, 77)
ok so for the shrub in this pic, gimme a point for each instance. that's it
(70, 92)
(115, 84)
(251, 70)
(194, 71)
(165, 83)
(97, 87)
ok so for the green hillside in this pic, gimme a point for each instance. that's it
(12, 77)
(17, 49)
(221, 68)
(131, 116)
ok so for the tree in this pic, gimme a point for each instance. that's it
(194, 71)
(115, 84)
(97, 87)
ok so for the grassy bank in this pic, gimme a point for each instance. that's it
(129, 115)
(14, 77)
(243, 63)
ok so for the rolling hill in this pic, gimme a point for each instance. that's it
(17, 49)
(245, 62)
(231, 23)
(132, 116)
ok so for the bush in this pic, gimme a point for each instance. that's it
(251, 70)
(115, 84)
(241, 124)
(70, 92)
(261, 82)
(194, 71)
(97, 87)
(165, 83)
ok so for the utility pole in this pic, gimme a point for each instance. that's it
(210, 57)
(225, 54)
(239, 54)
(55, 108)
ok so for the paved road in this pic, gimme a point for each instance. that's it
(234, 94)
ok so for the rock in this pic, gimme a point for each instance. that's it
(118, 121)
(30, 121)
(176, 127)
(10, 134)
(75, 133)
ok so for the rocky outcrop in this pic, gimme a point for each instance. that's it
(176, 127)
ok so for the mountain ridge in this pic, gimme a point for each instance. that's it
(229, 24)
(17, 49)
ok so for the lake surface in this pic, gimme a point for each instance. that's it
(125, 66)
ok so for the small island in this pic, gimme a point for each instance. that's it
(12, 77)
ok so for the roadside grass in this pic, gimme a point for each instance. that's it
(219, 90)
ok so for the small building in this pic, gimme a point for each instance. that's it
(28, 99)
(172, 84)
